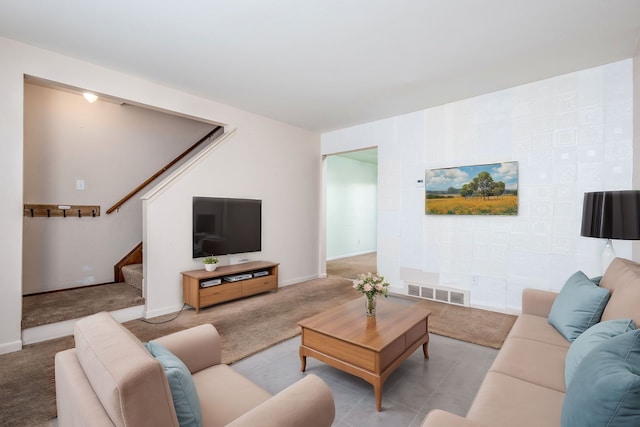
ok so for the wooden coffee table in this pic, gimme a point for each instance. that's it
(370, 348)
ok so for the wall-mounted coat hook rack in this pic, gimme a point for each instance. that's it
(71, 211)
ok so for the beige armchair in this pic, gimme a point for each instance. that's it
(110, 379)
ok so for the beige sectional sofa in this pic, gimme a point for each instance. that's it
(525, 385)
(110, 379)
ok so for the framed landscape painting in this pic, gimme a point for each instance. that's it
(490, 189)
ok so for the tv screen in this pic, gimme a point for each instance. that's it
(223, 226)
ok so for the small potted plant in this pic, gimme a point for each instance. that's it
(210, 263)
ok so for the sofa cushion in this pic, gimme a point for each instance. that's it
(533, 361)
(505, 401)
(183, 389)
(605, 389)
(578, 306)
(537, 328)
(622, 278)
(590, 339)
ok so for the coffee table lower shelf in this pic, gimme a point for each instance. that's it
(373, 348)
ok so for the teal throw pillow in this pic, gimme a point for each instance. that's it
(605, 389)
(578, 306)
(590, 339)
(183, 389)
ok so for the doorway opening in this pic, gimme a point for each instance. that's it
(351, 200)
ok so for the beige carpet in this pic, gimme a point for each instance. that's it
(51, 307)
(27, 389)
(46, 308)
(253, 324)
(349, 268)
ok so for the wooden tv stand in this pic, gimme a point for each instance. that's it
(197, 296)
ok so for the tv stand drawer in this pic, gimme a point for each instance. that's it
(218, 294)
(258, 285)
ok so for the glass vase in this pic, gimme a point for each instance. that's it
(370, 305)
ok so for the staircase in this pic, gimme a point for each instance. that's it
(133, 275)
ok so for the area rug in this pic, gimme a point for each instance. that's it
(473, 325)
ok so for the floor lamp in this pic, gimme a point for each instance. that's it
(611, 215)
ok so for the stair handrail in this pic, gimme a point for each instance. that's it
(122, 201)
(188, 165)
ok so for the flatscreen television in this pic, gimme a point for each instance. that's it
(223, 226)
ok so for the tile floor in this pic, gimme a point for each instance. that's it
(447, 380)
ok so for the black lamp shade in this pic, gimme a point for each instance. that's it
(611, 215)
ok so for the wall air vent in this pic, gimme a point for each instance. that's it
(442, 295)
(456, 297)
(438, 293)
(413, 290)
(426, 292)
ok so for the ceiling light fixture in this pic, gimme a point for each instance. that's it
(90, 97)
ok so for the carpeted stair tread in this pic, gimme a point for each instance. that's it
(133, 275)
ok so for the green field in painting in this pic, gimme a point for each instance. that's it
(456, 205)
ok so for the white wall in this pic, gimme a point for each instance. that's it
(570, 134)
(351, 199)
(113, 148)
(291, 188)
(254, 165)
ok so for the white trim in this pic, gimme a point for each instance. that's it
(10, 347)
(150, 314)
(350, 255)
(65, 328)
(298, 280)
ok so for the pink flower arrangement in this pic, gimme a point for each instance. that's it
(371, 285)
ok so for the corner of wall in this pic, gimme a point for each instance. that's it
(635, 180)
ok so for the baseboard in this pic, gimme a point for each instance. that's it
(65, 328)
(298, 280)
(335, 258)
(126, 314)
(149, 314)
(10, 347)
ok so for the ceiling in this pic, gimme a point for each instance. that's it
(324, 65)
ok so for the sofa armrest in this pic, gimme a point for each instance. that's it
(439, 418)
(537, 302)
(198, 347)
(307, 402)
